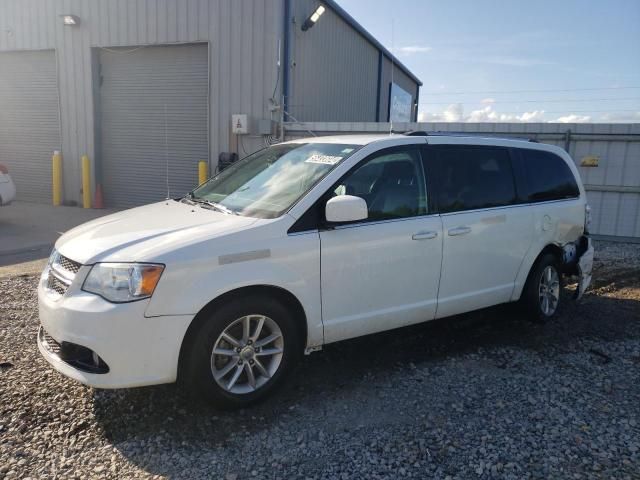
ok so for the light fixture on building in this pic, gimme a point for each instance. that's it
(70, 20)
(311, 21)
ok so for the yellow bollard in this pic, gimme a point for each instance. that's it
(86, 182)
(203, 172)
(56, 161)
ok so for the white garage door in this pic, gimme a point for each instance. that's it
(153, 111)
(29, 120)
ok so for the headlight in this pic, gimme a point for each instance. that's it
(123, 282)
(53, 257)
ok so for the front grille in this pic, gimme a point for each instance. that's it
(61, 274)
(50, 343)
(56, 285)
(68, 264)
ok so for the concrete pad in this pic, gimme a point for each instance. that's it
(29, 230)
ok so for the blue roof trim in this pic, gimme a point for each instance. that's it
(360, 29)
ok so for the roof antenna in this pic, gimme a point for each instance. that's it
(166, 151)
(392, 65)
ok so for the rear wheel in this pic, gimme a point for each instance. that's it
(242, 352)
(542, 293)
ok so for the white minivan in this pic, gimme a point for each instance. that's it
(310, 242)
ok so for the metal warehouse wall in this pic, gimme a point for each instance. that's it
(613, 187)
(336, 69)
(243, 42)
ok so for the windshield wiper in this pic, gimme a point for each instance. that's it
(208, 203)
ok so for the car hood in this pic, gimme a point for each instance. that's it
(145, 233)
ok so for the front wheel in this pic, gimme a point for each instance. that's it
(242, 352)
(542, 292)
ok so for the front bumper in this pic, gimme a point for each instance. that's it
(138, 350)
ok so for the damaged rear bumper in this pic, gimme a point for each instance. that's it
(584, 266)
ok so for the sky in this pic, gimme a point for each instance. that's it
(516, 60)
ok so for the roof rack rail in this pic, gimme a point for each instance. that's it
(440, 133)
(416, 133)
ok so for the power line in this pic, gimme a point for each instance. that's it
(568, 112)
(542, 101)
(495, 92)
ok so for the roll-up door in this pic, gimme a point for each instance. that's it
(153, 108)
(29, 120)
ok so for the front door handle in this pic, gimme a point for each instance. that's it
(459, 231)
(424, 235)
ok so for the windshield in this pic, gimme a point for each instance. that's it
(269, 182)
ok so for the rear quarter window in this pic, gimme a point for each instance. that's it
(547, 177)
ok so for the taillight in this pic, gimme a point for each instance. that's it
(587, 218)
(3, 169)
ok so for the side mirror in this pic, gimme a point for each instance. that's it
(346, 208)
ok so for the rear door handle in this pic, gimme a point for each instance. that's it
(459, 231)
(424, 235)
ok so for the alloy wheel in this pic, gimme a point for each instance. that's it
(247, 354)
(549, 290)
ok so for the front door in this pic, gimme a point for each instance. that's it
(383, 272)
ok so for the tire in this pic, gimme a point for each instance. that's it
(223, 378)
(542, 294)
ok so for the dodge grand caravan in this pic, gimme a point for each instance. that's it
(306, 243)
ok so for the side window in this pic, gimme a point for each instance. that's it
(392, 184)
(473, 178)
(548, 177)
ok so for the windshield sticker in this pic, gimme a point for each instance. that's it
(323, 159)
(347, 150)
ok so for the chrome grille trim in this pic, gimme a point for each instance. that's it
(68, 264)
(62, 271)
(56, 284)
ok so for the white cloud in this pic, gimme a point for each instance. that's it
(535, 116)
(488, 100)
(621, 117)
(488, 114)
(573, 118)
(412, 49)
(485, 114)
(453, 113)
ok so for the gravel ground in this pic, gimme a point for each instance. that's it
(485, 395)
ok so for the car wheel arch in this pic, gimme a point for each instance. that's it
(282, 294)
(528, 266)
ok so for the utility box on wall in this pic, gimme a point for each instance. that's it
(264, 126)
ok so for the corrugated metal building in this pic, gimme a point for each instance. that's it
(149, 87)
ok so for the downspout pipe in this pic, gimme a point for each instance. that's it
(379, 89)
(287, 55)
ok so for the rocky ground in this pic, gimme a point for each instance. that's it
(485, 395)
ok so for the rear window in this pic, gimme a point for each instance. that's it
(548, 177)
(474, 178)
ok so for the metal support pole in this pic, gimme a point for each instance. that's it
(567, 140)
(203, 172)
(56, 164)
(86, 182)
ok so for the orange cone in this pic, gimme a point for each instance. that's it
(98, 202)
